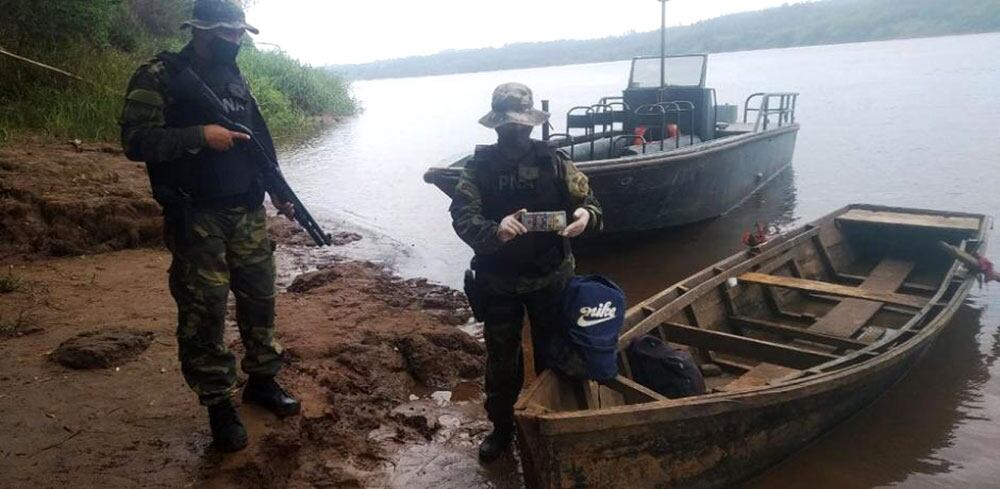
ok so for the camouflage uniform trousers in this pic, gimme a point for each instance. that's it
(505, 300)
(228, 249)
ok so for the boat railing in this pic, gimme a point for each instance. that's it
(581, 117)
(611, 113)
(603, 116)
(608, 100)
(598, 121)
(556, 136)
(661, 115)
(681, 107)
(770, 106)
(651, 115)
(563, 139)
(632, 142)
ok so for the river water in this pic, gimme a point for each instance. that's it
(909, 123)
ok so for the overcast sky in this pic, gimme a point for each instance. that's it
(324, 32)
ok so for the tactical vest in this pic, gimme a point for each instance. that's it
(211, 178)
(537, 184)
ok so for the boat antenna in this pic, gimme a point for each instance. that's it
(663, 43)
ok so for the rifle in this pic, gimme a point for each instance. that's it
(187, 83)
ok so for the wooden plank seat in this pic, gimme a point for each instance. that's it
(917, 287)
(846, 318)
(911, 220)
(620, 391)
(843, 321)
(633, 392)
(797, 333)
(758, 376)
(834, 289)
(741, 346)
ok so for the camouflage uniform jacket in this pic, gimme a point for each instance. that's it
(480, 233)
(147, 133)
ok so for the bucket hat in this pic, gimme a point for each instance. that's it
(212, 14)
(513, 103)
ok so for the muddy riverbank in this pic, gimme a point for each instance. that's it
(386, 376)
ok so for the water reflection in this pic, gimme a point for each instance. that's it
(901, 434)
(645, 263)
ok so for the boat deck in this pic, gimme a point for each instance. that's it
(735, 129)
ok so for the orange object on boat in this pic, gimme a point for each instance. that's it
(640, 133)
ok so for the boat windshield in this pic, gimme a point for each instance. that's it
(685, 71)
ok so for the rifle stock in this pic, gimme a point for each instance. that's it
(186, 82)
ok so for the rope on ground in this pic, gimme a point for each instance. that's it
(53, 69)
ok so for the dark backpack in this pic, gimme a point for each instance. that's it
(669, 372)
(593, 312)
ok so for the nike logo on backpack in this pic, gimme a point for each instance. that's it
(586, 323)
(600, 314)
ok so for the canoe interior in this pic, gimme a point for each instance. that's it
(816, 300)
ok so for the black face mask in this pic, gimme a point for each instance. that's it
(223, 51)
(514, 136)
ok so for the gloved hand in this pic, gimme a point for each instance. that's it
(511, 227)
(286, 209)
(580, 220)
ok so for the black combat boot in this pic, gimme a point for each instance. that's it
(496, 443)
(266, 393)
(228, 432)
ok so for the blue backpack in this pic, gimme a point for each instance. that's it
(593, 313)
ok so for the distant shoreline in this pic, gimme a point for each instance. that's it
(829, 22)
(846, 43)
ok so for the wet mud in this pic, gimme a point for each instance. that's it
(64, 199)
(93, 396)
(103, 348)
(357, 347)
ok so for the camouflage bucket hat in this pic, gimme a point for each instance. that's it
(513, 104)
(212, 14)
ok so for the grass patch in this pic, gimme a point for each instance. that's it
(66, 108)
(292, 96)
(24, 323)
(10, 283)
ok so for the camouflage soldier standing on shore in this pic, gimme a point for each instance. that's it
(515, 269)
(212, 193)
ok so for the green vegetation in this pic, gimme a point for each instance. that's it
(10, 283)
(11, 324)
(104, 41)
(824, 22)
(290, 94)
(23, 322)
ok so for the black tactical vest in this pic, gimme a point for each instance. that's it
(537, 184)
(211, 178)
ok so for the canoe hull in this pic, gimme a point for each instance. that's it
(714, 450)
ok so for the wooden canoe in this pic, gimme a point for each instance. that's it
(817, 324)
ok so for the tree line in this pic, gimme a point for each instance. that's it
(104, 41)
(824, 22)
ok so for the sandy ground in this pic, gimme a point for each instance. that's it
(389, 382)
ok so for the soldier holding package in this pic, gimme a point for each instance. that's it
(515, 269)
(212, 193)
